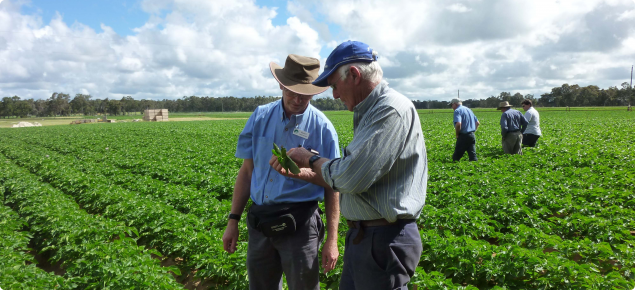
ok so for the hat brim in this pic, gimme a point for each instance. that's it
(296, 87)
(322, 80)
(504, 107)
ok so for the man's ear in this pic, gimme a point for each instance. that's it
(355, 74)
(281, 87)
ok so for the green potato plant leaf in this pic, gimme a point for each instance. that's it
(284, 160)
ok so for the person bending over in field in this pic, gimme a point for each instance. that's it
(284, 226)
(465, 124)
(532, 133)
(513, 124)
(382, 177)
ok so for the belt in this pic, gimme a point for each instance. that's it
(513, 131)
(370, 223)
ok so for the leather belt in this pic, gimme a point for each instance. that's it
(369, 223)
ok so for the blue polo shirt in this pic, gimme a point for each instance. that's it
(267, 125)
(466, 117)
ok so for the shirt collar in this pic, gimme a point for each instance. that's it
(372, 98)
(295, 119)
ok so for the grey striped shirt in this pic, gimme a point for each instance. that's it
(384, 170)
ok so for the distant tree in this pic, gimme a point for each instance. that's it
(113, 107)
(81, 104)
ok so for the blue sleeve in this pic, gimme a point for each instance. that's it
(330, 142)
(244, 149)
(457, 117)
(503, 124)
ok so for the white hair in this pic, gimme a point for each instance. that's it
(371, 72)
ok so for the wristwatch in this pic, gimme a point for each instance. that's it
(234, 216)
(313, 159)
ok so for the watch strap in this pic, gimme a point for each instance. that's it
(313, 159)
(234, 216)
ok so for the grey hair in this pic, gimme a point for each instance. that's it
(370, 71)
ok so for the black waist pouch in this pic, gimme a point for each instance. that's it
(280, 219)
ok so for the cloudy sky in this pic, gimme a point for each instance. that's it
(428, 49)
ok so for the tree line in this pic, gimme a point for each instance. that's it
(61, 104)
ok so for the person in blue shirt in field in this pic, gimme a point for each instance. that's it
(277, 242)
(465, 124)
(513, 125)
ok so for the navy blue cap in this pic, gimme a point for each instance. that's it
(346, 52)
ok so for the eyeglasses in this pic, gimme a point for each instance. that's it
(341, 78)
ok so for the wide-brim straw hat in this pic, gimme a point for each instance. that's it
(298, 74)
(503, 105)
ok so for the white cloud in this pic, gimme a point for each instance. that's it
(188, 47)
(627, 15)
(428, 49)
(458, 7)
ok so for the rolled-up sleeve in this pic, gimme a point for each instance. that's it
(244, 149)
(371, 154)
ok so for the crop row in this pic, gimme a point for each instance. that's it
(203, 162)
(94, 252)
(159, 225)
(184, 199)
(17, 267)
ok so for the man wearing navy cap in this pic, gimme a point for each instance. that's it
(382, 175)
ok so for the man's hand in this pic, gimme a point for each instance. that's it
(300, 156)
(305, 173)
(230, 237)
(330, 254)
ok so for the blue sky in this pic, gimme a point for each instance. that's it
(428, 48)
(122, 16)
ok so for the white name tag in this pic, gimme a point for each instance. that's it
(300, 133)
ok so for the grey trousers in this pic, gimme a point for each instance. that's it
(296, 255)
(385, 259)
(511, 143)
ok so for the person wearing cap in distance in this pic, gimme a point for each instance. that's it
(513, 124)
(465, 124)
(531, 135)
(278, 243)
(382, 176)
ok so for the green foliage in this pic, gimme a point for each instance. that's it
(561, 216)
(94, 252)
(17, 266)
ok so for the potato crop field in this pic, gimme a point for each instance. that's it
(144, 206)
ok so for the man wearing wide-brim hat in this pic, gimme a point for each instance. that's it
(284, 226)
(513, 124)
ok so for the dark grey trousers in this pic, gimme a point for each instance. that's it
(296, 255)
(465, 142)
(385, 259)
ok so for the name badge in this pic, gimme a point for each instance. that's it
(300, 133)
